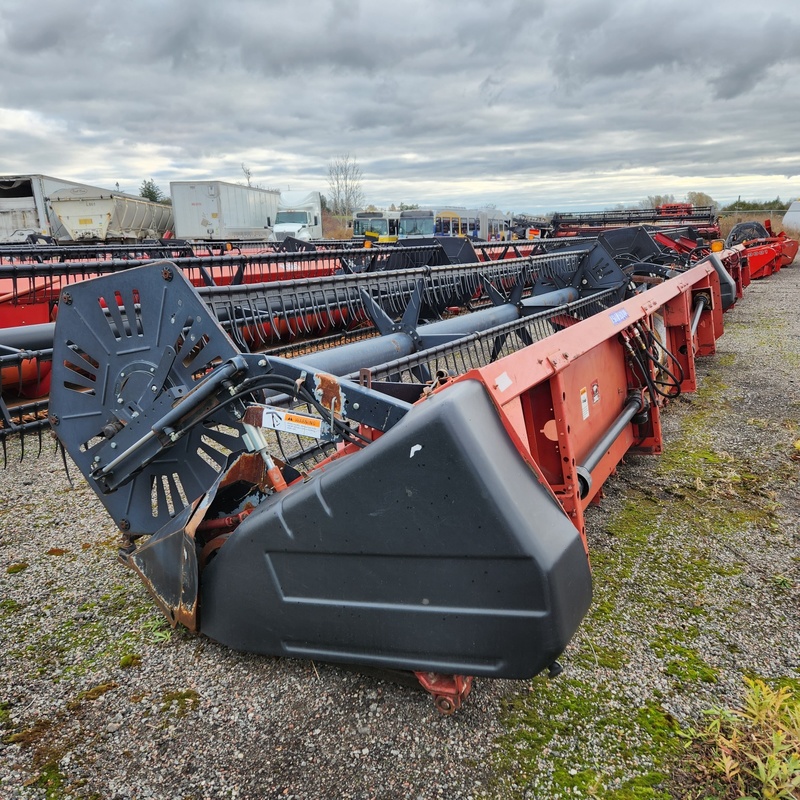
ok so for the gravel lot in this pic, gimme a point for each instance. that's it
(99, 699)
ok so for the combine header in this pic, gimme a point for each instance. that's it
(264, 300)
(701, 218)
(410, 501)
(764, 251)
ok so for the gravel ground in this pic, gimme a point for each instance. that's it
(99, 699)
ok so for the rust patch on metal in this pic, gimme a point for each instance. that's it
(250, 468)
(328, 391)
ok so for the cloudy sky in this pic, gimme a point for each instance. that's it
(530, 105)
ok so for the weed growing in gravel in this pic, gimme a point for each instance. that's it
(752, 751)
(157, 629)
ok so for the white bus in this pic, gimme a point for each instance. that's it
(416, 223)
(383, 224)
(486, 224)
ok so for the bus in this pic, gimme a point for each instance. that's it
(416, 223)
(383, 223)
(485, 224)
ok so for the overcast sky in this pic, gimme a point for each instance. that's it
(530, 105)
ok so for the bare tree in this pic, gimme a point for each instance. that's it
(701, 199)
(248, 173)
(344, 182)
(656, 200)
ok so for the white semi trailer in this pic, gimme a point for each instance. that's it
(299, 215)
(67, 211)
(97, 215)
(219, 211)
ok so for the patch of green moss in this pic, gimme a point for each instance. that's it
(612, 564)
(589, 738)
(681, 661)
(51, 780)
(9, 606)
(28, 736)
(599, 656)
(180, 702)
(5, 714)
(101, 632)
(91, 694)
(130, 660)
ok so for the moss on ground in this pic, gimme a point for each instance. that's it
(179, 703)
(100, 633)
(673, 543)
(575, 737)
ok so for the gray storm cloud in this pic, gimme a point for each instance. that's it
(524, 104)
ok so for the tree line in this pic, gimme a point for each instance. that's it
(702, 199)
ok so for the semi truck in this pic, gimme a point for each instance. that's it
(299, 216)
(220, 211)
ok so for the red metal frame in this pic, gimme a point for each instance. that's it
(448, 691)
(557, 397)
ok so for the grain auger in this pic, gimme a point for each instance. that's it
(413, 501)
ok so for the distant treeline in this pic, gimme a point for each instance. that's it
(702, 199)
(755, 205)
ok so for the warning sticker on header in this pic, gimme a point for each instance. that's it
(279, 419)
(584, 403)
(618, 316)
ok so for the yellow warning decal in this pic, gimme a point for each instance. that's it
(278, 419)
